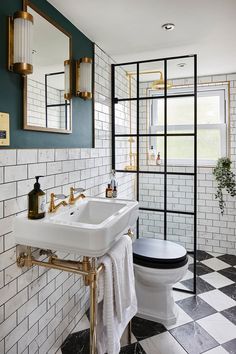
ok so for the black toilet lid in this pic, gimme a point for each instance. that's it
(154, 253)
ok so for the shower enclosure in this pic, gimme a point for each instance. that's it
(154, 147)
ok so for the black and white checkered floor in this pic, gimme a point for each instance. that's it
(206, 322)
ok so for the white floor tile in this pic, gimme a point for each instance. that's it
(180, 286)
(218, 300)
(221, 329)
(182, 318)
(188, 275)
(59, 351)
(162, 344)
(217, 350)
(215, 263)
(124, 338)
(216, 279)
(82, 324)
(190, 259)
(215, 254)
(179, 295)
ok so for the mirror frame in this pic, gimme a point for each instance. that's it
(27, 126)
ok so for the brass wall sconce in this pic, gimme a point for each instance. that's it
(84, 68)
(20, 27)
(67, 80)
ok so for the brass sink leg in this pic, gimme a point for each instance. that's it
(93, 308)
(87, 268)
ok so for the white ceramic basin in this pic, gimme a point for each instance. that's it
(88, 229)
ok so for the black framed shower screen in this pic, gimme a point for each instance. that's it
(115, 100)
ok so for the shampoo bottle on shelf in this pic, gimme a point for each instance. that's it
(158, 159)
(36, 202)
(152, 154)
(109, 192)
(114, 183)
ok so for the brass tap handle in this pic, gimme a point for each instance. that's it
(52, 206)
(72, 198)
(130, 233)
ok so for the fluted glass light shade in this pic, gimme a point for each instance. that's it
(67, 79)
(84, 85)
(20, 43)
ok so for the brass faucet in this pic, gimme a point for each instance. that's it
(52, 207)
(72, 198)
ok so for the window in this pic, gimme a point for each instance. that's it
(211, 119)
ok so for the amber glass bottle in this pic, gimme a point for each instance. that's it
(36, 202)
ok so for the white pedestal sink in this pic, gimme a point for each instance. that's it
(89, 228)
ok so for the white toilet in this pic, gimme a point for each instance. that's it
(158, 265)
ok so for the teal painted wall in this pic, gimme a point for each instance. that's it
(11, 90)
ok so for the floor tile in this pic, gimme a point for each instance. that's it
(182, 318)
(202, 255)
(201, 269)
(195, 307)
(230, 314)
(228, 258)
(230, 290)
(193, 338)
(162, 344)
(179, 295)
(230, 346)
(218, 300)
(217, 280)
(217, 350)
(229, 273)
(221, 329)
(179, 285)
(215, 264)
(144, 328)
(133, 349)
(188, 275)
(76, 343)
(202, 286)
(59, 351)
(125, 338)
(190, 259)
(82, 324)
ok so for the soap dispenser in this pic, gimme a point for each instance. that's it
(36, 202)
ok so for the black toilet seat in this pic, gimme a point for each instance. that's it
(154, 253)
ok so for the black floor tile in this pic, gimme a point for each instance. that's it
(202, 255)
(195, 307)
(230, 346)
(193, 338)
(76, 343)
(134, 348)
(229, 290)
(231, 315)
(228, 258)
(202, 285)
(202, 269)
(229, 273)
(143, 329)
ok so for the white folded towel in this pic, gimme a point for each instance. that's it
(119, 304)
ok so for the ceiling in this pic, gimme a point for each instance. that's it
(130, 30)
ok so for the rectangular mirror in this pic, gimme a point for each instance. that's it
(45, 108)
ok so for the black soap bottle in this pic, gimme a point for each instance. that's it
(36, 202)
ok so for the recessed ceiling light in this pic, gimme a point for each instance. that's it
(168, 26)
(181, 65)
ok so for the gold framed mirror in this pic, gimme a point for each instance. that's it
(47, 99)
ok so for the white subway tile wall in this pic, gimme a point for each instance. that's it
(216, 233)
(39, 308)
(36, 105)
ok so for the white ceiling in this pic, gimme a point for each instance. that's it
(131, 29)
